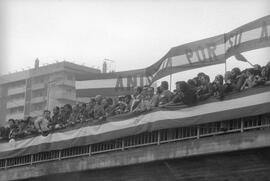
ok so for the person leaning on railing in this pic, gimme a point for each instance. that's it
(184, 93)
(203, 91)
(217, 87)
(42, 123)
(265, 72)
(13, 127)
(166, 95)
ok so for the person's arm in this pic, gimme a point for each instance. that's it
(244, 85)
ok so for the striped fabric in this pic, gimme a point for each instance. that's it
(210, 51)
(248, 103)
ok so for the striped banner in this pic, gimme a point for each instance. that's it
(248, 103)
(210, 51)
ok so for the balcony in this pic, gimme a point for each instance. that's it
(38, 99)
(17, 115)
(16, 90)
(38, 86)
(36, 113)
(70, 83)
(15, 103)
(64, 95)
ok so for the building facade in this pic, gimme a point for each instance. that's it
(29, 92)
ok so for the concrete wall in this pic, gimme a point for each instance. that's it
(248, 165)
(197, 147)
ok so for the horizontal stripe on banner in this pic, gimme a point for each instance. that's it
(198, 112)
(111, 83)
(249, 40)
(151, 126)
(248, 46)
(94, 76)
(253, 25)
(108, 92)
(248, 36)
(165, 72)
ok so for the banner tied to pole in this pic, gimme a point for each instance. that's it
(210, 51)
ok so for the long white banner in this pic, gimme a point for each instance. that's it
(210, 51)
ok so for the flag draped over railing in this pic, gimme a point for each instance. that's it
(210, 51)
(249, 103)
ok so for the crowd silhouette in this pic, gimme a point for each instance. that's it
(99, 108)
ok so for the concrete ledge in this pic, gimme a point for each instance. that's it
(182, 149)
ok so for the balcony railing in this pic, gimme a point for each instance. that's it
(16, 90)
(145, 139)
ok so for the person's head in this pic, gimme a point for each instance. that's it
(23, 122)
(219, 79)
(177, 86)
(159, 90)
(182, 86)
(145, 88)
(164, 85)
(235, 72)
(75, 108)
(62, 111)
(137, 90)
(104, 102)
(264, 71)
(98, 99)
(92, 102)
(56, 110)
(83, 106)
(268, 65)
(121, 98)
(110, 101)
(250, 72)
(29, 119)
(11, 122)
(122, 106)
(67, 108)
(150, 91)
(192, 82)
(46, 113)
(227, 76)
(127, 99)
(257, 69)
(204, 79)
(201, 74)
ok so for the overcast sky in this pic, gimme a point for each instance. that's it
(134, 34)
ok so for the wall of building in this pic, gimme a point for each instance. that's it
(192, 148)
(233, 166)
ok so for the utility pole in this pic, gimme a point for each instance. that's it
(107, 65)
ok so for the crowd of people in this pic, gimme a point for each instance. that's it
(99, 108)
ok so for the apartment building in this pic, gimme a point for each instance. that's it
(29, 92)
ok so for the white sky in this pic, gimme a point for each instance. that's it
(133, 33)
